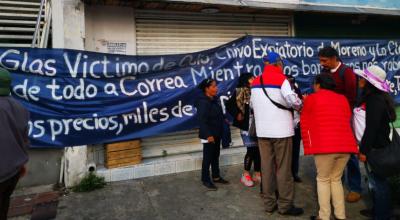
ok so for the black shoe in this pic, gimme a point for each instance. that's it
(293, 211)
(314, 217)
(210, 186)
(297, 179)
(220, 180)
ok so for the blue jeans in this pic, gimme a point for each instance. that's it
(381, 197)
(353, 174)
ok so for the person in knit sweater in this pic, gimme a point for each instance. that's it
(346, 84)
(327, 134)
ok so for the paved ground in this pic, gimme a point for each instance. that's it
(181, 196)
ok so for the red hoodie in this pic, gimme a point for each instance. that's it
(325, 124)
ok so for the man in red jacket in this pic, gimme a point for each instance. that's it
(346, 84)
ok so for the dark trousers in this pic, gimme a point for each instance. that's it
(6, 189)
(226, 135)
(296, 151)
(252, 156)
(353, 175)
(380, 196)
(210, 158)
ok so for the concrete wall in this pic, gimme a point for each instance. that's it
(109, 24)
(105, 25)
(43, 167)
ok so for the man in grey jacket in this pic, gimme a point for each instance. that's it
(13, 142)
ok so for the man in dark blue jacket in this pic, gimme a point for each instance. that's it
(14, 142)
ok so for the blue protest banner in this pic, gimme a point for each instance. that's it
(79, 97)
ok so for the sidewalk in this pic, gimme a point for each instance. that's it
(181, 196)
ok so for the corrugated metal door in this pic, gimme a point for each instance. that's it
(171, 33)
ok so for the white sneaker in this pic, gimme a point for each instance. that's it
(246, 180)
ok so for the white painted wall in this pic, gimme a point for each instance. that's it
(69, 32)
(109, 24)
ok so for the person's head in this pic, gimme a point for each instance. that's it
(373, 81)
(273, 58)
(245, 80)
(328, 58)
(209, 87)
(324, 81)
(373, 75)
(5, 82)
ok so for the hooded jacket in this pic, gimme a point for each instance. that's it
(271, 121)
(210, 117)
(325, 124)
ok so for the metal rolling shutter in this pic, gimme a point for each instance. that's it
(167, 33)
(172, 33)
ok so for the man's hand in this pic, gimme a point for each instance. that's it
(210, 139)
(362, 157)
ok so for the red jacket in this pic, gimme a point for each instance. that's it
(325, 124)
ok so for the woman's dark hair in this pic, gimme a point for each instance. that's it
(205, 84)
(244, 80)
(370, 89)
(328, 52)
(325, 81)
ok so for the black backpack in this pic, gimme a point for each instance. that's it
(232, 108)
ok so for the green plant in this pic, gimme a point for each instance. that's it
(89, 183)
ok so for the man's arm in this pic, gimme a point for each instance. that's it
(291, 97)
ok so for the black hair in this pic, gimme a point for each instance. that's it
(325, 81)
(244, 80)
(371, 89)
(328, 52)
(205, 84)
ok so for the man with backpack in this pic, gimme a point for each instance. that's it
(346, 84)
